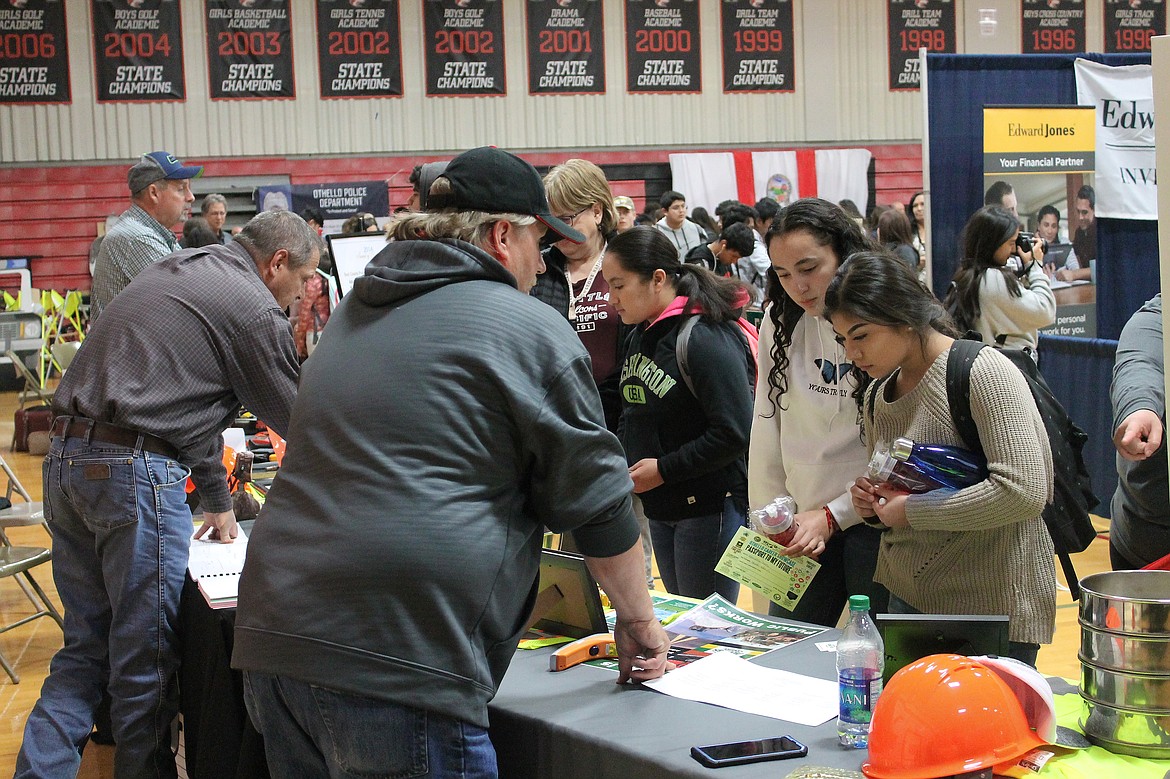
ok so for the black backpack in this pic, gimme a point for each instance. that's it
(1067, 516)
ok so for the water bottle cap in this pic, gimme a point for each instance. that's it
(881, 465)
(859, 603)
(901, 448)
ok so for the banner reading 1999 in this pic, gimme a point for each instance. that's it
(138, 50)
(249, 49)
(1130, 24)
(359, 48)
(566, 47)
(758, 54)
(464, 47)
(34, 55)
(914, 25)
(1053, 26)
(662, 46)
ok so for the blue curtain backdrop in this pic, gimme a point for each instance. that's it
(959, 86)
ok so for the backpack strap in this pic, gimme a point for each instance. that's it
(959, 362)
(680, 350)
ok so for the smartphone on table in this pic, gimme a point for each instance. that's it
(740, 752)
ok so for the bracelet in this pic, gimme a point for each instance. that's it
(831, 521)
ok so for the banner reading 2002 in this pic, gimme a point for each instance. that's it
(138, 50)
(464, 47)
(662, 46)
(359, 48)
(249, 49)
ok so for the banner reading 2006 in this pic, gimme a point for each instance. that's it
(1130, 25)
(662, 46)
(914, 25)
(758, 55)
(1053, 26)
(249, 49)
(138, 50)
(566, 47)
(464, 47)
(34, 55)
(359, 48)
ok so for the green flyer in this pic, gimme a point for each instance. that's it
(759, 563)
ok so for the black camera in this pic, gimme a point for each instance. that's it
(1026, 241)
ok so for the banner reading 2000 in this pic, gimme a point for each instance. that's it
(662, 46)
(249, 49)
(464, 47)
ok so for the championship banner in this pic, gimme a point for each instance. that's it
(1123, 99)
(359, 48)
(1052, 26)
(1130, 24)
(34, 53)
(566, 47)
(759, 52)
(249, 49)
(138, 51)
(914, 25)
(464, 47)
(662, 46)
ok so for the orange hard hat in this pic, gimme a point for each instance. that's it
(945, 715)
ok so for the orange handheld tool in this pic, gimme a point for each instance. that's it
(591, 647)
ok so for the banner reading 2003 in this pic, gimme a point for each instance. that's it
(662, 46)
(464, 47)
(249, 49)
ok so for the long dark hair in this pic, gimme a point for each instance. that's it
(987, 229)
(830, 226)
(879, 288)
(643, 250)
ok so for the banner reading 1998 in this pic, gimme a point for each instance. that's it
(662, 46)
(1053, 26)
(34, 55)
(1130, 24)
(914, 25)
(138, 50)
(566, 47)
(249, 49)
(758, 55)
(359, 48)
(464, 47)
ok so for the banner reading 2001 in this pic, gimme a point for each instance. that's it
(566, 47)
(914, 25)
(758, 55)
(359, 48)
(662, 46)
(138, 50)
(464, 47)
(249, 49)
(34, 55)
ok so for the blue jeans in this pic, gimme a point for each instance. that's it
(688, 550)
(121, 531)
(1017, 650)
(312, 731)
(847, 567)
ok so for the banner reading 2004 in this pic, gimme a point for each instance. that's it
(464, 47)
(914, 25)
(249, 49)
(359, 48)
(662, 46)
(34, 55)
(138, 50)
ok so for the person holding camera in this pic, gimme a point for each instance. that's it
(1000, 289)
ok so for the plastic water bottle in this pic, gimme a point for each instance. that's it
(860, 662)
(776, 520)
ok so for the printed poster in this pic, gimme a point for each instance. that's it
(249, 49)
(566, 47)
(359, 48)
(914, 25)
(34, 52)
(138, 51)
(758, 46)
(1130, 24)
(1053, 26)
(662, 46)
(464, 47)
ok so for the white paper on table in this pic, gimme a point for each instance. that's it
(209, 558)
(827, 646)
(725, 680)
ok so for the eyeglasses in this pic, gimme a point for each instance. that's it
(570, 218)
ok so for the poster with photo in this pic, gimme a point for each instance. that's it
(566, 47)
(34, 52)
(759, 52)
(464, 47)
(1052, 26)
(138, 51)
(249, 49)
(914, 25)
(359, 48)
(1131, 24)
(662, 46)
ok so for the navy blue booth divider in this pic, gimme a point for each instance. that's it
(1079, 370)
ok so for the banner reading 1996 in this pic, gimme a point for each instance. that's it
(464, 47)
(359, 48)
(758, 54)
(138, 50)
(662, 46)
(249, 49)
(914, 25)
(1053, 26)
(34, 55)
(1130, 24)
(566, 47)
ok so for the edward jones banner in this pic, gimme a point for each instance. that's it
(138, 51)
(566, 47)
(249, 49)
(1053, 26)
(914, 25)
(1039, 139)
(359, 48)
(662, 46)
(464, 47)
(758, 46)
(1130, 24)
(34, 54)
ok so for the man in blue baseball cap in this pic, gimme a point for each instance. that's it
(160, 192)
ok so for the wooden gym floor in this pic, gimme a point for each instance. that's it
(29, 648)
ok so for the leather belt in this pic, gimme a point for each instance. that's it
(91, 430)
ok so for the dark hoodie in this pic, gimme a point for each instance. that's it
(443, 419)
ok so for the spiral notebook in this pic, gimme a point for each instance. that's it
(215, 568)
